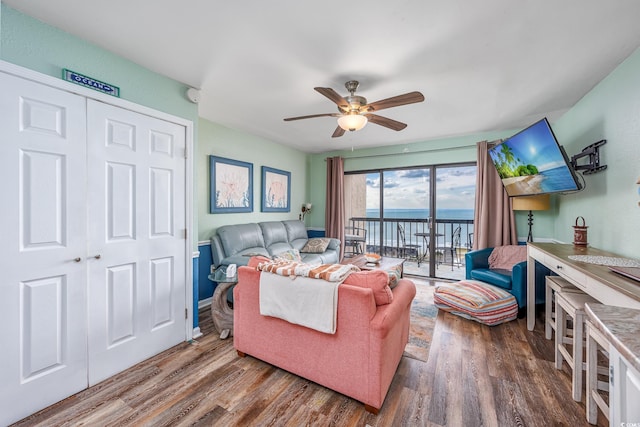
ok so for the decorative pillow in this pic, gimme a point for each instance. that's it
(290, 255)
(505, 257)
(374, 279)
(395, 274)
(316, 245)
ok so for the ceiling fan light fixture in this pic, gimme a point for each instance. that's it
(352, 122)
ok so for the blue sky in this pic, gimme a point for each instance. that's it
(409, 188)
(535, 145)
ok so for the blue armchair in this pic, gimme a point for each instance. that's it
(477, 268)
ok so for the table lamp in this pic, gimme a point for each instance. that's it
(531, 203)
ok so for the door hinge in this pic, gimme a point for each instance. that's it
(186, 234)
(611, 383)
(186, 313)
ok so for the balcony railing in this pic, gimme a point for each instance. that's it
(384, 236)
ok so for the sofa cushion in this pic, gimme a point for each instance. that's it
(324, 258)
(236, 238)
(289, 255)
(477, 301)
(377, 280)
(273, 232)
(500, 278)
(279, 248)
(505, 257)
(316, 245)
(295, 230)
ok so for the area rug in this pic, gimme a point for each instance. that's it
(423, 321)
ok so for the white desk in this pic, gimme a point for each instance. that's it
(596, 280)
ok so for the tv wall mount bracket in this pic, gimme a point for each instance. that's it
(593, 152)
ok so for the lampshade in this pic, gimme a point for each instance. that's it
(531, 203)
(352, 121)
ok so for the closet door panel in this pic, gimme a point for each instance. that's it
(43, 229)
(138, 228)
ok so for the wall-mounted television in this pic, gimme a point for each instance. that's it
(532, 162)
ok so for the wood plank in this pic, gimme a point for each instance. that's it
(475, 374)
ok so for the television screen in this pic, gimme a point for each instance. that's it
(532, 162)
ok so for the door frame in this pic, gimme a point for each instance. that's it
(35, 76)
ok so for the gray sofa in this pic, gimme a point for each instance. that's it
(235, 244)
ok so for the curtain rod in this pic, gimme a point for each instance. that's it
(457, 147)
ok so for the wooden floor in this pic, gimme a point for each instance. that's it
(475, 375)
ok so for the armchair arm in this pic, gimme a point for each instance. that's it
(476, 259)
(519, 283)
(388, 315)
(217, 251)
(334, 244)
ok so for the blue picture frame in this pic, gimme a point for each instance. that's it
(231, 185)
(276, 190)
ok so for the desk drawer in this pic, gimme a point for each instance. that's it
(610, 296)
(574, 276)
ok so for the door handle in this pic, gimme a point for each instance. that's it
(97, 256)
(78, 259)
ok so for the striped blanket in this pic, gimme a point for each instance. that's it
(328, 272)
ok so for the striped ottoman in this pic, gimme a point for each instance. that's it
(477, 301)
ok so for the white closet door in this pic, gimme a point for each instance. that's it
(43, 332)
(137, 240)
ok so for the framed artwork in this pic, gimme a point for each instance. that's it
(276, 190)
(231, 185)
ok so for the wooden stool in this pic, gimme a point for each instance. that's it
(553, 285)
(596, 341)
(570, 304)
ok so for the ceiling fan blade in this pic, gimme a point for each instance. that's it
(334, 96)
(395, 101)
(288, 119)
(386, 122)
(338, 132)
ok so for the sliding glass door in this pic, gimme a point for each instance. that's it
(455, 189)
(419, 214)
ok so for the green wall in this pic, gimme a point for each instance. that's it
(220, 141)
(32, 44)
(609, 203)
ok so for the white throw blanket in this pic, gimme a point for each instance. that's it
(308, 302)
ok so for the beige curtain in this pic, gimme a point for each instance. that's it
(494, 222)
(334, 213)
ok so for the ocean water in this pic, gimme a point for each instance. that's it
(422, 213)
(557, 179)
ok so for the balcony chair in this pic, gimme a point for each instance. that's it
(407, 250)
(355, 240)
(451, 248)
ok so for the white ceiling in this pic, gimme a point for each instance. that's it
(482, 65)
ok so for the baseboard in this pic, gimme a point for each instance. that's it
(204, 303)
(196, 332)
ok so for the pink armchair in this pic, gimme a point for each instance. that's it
(359, 360)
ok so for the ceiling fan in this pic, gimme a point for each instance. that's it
(354, 112)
